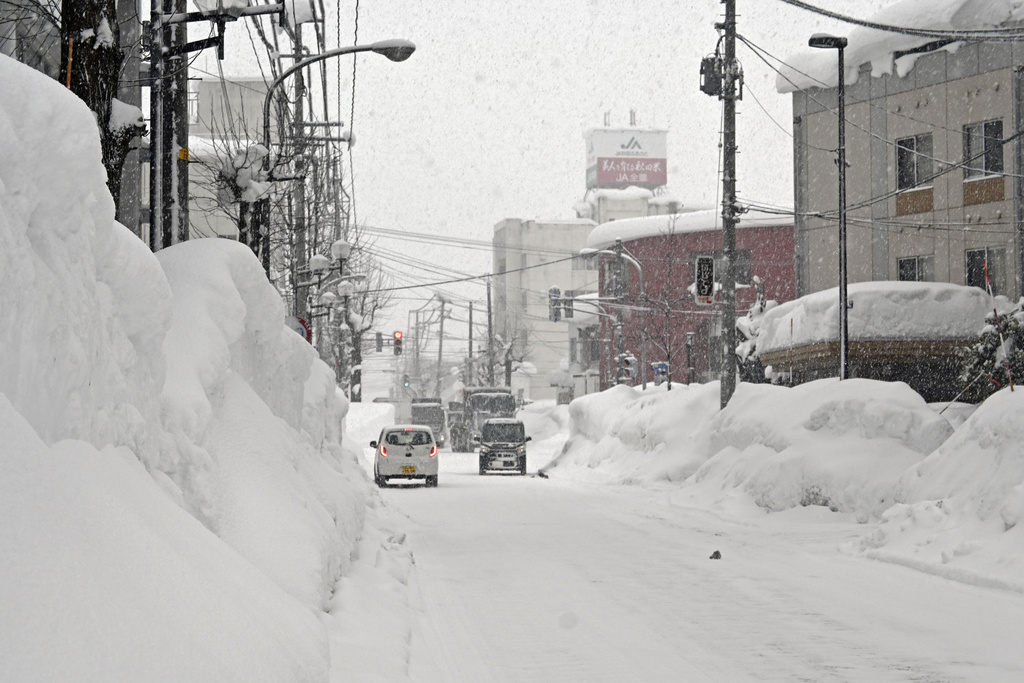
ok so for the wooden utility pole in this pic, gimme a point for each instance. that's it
(440, 348)
(490, 338)
(730, 77)
(469, 358)
(300, 258)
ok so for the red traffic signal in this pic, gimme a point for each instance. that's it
(397, 344)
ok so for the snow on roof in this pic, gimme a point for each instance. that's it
(585, 309)
(620, 194)
(883, 310)
(630, 193)
(815, 68)
(628, 229)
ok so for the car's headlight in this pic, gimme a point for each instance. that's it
(484, 450)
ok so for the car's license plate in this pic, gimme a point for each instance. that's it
(411, 469)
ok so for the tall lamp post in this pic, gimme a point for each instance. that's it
(838, 43)
(397, 50)
(623, 255)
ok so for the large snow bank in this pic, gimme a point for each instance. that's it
(175, 501)
(625, 435)
(103, 578)
(815, 68)
(881, 310)
(837, 444)
(961, 509)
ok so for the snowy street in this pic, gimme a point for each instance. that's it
(527, 579)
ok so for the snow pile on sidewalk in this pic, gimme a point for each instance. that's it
(174, 501)
(624, 436)
(961, 509)
(838, 444)
(947, 502)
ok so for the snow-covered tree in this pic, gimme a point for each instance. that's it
(749, 326)
(986, 365)
(91, 61)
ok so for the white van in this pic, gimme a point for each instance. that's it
(405, 452)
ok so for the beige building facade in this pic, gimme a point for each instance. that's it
(933, 180)
(529, 258)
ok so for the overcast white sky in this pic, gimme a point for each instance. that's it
(486, 120)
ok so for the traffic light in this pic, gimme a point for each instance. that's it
(405, 380)
(704, 279)
(398, 342)
(554, 308)
(380, 342)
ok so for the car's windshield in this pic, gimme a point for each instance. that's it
(409, 438)
(514, 432)
(495, 404)
(427, 413)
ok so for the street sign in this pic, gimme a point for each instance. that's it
(704, 280)
(301, 327)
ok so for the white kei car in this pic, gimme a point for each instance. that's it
(405, 452)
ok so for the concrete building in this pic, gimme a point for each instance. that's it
(529, 258)
(933, 179)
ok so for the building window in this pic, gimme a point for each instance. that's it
(991, 260)
(913, 161)
(501, 265)
(193, 107)
(916, 269)
(983, 149)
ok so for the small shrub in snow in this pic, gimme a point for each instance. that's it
(983, 364)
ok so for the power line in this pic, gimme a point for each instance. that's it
(994, 34)
(470, 278)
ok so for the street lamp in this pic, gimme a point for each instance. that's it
(838, 43)
(395, 49)
(620, 252)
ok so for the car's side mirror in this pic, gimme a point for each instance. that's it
(373, 444)
(529, 438)
(476, 439)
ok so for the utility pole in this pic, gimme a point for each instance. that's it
(440, 347)
(490, 338)
(299, 189)
(169, 155)
(731, 76)
(469, 359)
(620, 340)
(416, 348)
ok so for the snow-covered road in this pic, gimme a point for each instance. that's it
(527, 579)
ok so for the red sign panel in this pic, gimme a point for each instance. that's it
(623, 172)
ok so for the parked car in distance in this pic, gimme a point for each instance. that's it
(405, 452)
(502, 445)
